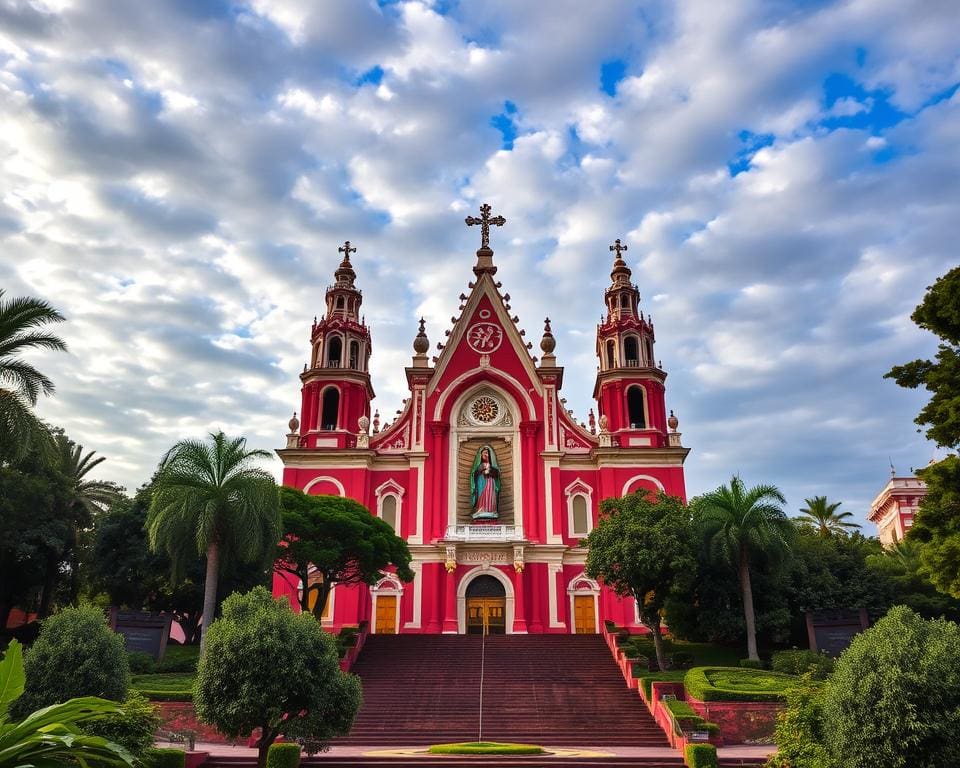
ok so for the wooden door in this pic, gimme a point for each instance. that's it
(486, 616)
(584, 615)
(386, 615)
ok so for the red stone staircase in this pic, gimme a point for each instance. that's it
(554, 690)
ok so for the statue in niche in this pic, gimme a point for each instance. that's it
(485, 484)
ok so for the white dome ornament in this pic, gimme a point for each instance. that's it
(363, 436)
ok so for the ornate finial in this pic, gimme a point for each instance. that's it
(346, 249)
(621, 272)
(485, 253)
(547, 344)
(673, 438)
(673, 422)
(592, 421)
(615, 247)
(376, 421)
(345, 274)
(421, 344)
(294, 423)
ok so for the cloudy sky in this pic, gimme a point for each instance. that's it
(176, 177)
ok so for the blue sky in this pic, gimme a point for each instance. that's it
(177, 176)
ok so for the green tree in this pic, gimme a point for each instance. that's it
(269, 668)
(937, 523)
(53, 736)
(643, 548)
(339, 540)
(20, 383)
(32, 533)
(894, 699)
(75, 655)
(799, 732)
(738, 525)
(824, 517)
(209, 499)
(899, 572)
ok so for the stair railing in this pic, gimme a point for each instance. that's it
(483, 648)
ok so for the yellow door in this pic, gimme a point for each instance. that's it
(584, 615)
(486, 616)
(386, 615)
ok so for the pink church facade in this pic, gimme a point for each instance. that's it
(522, 571)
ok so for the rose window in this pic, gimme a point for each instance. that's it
(485, 410)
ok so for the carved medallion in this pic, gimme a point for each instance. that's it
(484, 337)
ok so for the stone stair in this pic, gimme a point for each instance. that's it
(553, 690)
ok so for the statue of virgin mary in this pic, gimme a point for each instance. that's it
(485, 484)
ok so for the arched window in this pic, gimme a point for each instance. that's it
(388, 510)
(334, 351)
(339, 302)
(650, 353)
(611, 355)
(354, 354)
(581, 515)
(624, 300)
(631, 351)
(635, 408)
(330, 409)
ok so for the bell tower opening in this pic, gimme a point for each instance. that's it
(631, 352)
(635, 408)
(330, 409)
(334, 351)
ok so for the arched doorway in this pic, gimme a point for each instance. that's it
(486, 608)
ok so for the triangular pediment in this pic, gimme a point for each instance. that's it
(485, 336)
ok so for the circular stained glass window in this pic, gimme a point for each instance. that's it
(485, 410)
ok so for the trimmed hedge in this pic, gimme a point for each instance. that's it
(141, 663)
(171, 686)
(283, 755)
(700, 756)
(800, 662)
(688, 719)
(486, 748)
(179, 658)
(159, 757)
(735, 684)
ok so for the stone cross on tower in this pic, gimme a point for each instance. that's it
(615, 247)
(485, 253)
(346, 250)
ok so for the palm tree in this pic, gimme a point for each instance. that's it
(209, 500)
(738, 525)
(825, 518)
(21, 383)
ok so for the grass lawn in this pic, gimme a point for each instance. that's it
(166, 686)
(485, 748)
(179, 658)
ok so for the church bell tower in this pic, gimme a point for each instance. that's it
(630, 385)
(336, 390)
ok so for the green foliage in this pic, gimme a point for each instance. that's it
(739, 525)
(736, 684)
(688, 719)
(700, 756)
(750, 663)
(485, 748)
(141, 663)
(132, 727)
(825, 519)
(159, 757)
(179, 658)
(21, 319)
(894, 698)
(167, 686)
(646, 681)
(681, 660)
(799, 731)
(341, 539)
(937, 525)
(238, 687)
(209, 500)
(818, 666)
(75, 655)
(283, 756)
(53, 736)
(642, 548)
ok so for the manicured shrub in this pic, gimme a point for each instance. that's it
(134, 727)
(688, 719)
(141, 663)
(485, 748)
(734, 684)
(894, 698)
(801, 662)
(75, 655)
(158, 757)
(609, 625)
(283, 755)
(179, 658)
(751, 663)
(700, 756)
(170, 686)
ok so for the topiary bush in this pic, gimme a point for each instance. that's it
(735, 684)
(700, 756)
(801, 662)
(158, 757)
(283, 755)
(76, 654)
(894, 698)
(688, 719)
(485, 748)
(141, 663)
(133, 728)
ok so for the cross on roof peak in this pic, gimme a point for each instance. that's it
(485, 220)
(618, 248)
(346, 249)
